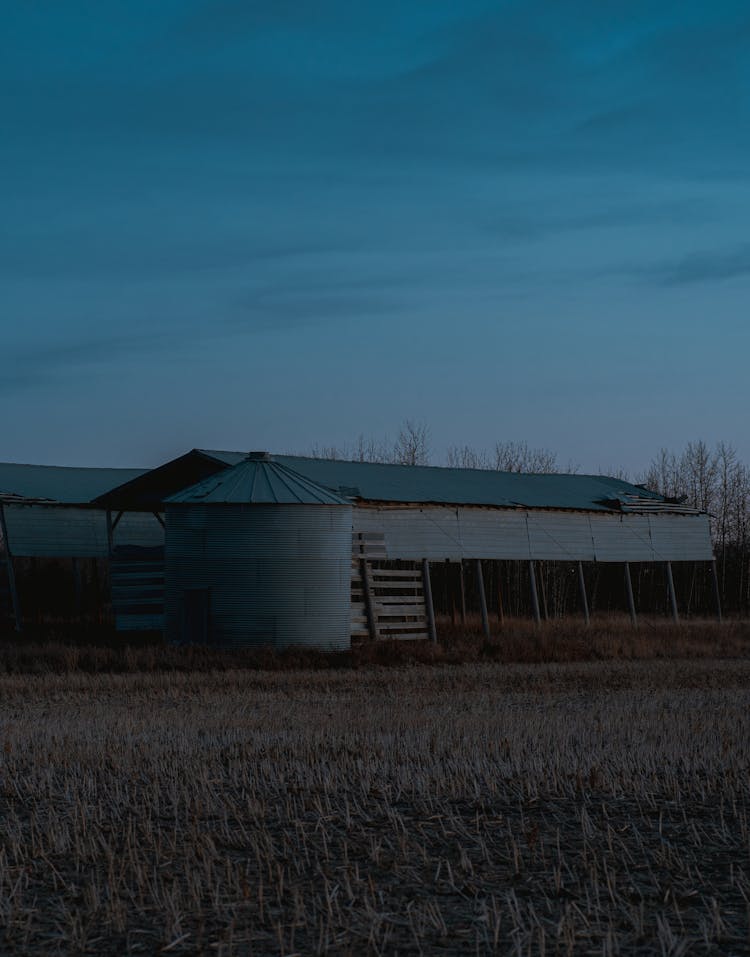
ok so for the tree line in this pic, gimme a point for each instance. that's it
(712, 478)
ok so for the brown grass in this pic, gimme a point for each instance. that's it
(586, 808)
(519, 641)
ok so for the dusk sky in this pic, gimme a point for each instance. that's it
(266, 225)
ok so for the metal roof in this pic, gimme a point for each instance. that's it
(258, 479)
(58, 483)
(435, 485)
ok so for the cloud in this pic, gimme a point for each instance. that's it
(702, 267)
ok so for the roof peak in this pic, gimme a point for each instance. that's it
(258, 480)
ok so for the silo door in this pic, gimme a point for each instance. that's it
(195, 617)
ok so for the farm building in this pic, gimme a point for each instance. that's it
(46, 513)
(403, 518)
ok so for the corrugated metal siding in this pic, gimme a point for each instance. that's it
(439, 532)
(679, 537)
(557, 536)
(55, 531)
(277, 575)
(621, 538)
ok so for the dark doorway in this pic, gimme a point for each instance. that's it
(195, 616)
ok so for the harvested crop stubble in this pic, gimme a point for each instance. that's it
(561, 809)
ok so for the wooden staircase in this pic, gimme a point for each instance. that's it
(387, 603)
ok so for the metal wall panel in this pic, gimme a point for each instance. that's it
(679, 537)
(560, 536)
(493, 533)
(56, 531)
(275, 574)
(622, 538)
(439, 532)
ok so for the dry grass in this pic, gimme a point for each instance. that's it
(519, 641)
(595, 808)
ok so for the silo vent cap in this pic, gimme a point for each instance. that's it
(262, 456)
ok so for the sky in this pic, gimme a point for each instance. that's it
(245, 225)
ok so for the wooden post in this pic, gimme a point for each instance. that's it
(543, 591)
(110, 533)
(534, 594)
(672, 594)
(500, 612)
(584, 596)
(77, 586)
(16, 605)
(450, 592)
(629, 595)
(463, 591)
(372, 619)
(482, 599)
(717, 590)
(428, 600)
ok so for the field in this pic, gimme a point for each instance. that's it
(567, 808)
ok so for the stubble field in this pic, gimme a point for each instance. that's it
(585, 808)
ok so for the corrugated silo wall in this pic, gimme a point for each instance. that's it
(440, 532)
(270, 574)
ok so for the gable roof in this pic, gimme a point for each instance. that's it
(377, 482)
(403, 484)
(60, 483)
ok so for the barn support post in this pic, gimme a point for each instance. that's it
(717, 590)
(584, 596)
(463, 591)
(672, 593)
(429, 607)
(534, 594)
(110, 534)
(543, 593)
(500, 612)
(482, 599)
(15, 604)
(372, 621)
(629, 595)
(77, 588)
(111, 526)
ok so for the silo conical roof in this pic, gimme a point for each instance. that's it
(258, 480)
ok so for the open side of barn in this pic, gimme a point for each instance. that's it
(401, 521)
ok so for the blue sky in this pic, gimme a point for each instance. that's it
(244, 225)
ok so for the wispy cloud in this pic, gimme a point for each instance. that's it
(703, 267)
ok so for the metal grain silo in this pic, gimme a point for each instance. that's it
(258, 555)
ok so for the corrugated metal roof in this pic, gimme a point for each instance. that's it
(431, 484)
(58, 483)
(258, 480)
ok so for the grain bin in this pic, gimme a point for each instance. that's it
(258, 555)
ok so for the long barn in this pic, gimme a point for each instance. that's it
(421, 515)
(402, 519)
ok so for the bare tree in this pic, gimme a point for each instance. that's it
(518, 457)
(412, 446)
(370, 449)
(464, 457)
